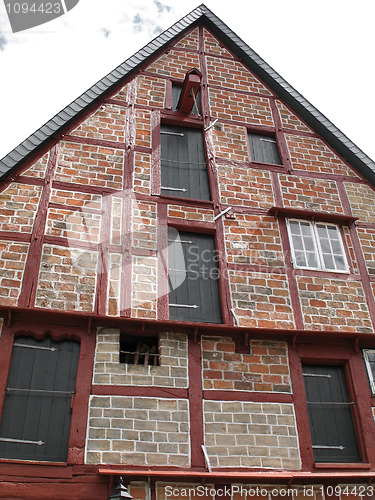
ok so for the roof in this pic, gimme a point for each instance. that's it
(59, 124)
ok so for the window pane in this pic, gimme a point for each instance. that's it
(306, 228)
(294, 227)
(328, 261)
(300, 259)
(297, 242)
(312, 260)
(309, 243)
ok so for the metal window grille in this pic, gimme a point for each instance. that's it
(141, 351)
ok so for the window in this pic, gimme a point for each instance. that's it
(139, 350)
(369, 357)
(316, 245)
(330, 414)
(193, 277)
(263, 149)
(176, 92)
(183, 163)
(35, 422)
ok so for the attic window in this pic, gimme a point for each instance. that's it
(263, 149)
(143, 351)
(176, 93)
(189, 92)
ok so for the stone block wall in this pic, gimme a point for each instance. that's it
(246, 434)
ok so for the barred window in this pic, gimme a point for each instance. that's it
(139, 350)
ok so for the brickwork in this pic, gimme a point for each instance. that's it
(264, 369)
(310, 194)
(143, 128)
(76, 199)
(122, 95)
(228, 105)
(90, 165)
(12, 265)
(329, 304)
(18, 207)
(230, 142)
(190, 213)
(310, 154)
(362, 200)
(171, 372)
(240, 185)
(116, 221)
(138, 431)
(290, 120)
(261, 300)
(367, 239)
(67, 279)
(189, 42)
(251, 239)
(150, 91)
(114, 284)
(233, 75)
(144, 225)
(142, 173)
(144, 287)
(107, 123)
(244, 434)
(38, 169)
(175, 64)
(214, 47)
(73, 224)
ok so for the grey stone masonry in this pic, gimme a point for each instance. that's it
(247, 434)
(138, 431)
(171, 372)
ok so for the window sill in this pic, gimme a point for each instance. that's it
(329, 465)
(312, 215)
(31, 462)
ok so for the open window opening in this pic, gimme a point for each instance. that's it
(139, 351)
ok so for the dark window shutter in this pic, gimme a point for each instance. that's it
(193, 278)
(176, 92)
(330, 414)
(183, 163)
(263, 149)
(37, 405)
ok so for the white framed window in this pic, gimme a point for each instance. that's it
(369, 357)
(316, 245)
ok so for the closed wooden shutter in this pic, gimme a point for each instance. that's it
(263, 149)
(183, 163)
(330, 414)
(35, 422)
(193, 278)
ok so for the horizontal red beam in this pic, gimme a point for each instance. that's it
(312, 214)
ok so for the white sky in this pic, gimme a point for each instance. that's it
(323, 48)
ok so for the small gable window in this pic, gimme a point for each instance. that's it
(263, 149)
(176, 93)
(316, 245)
(142, 351)
(183, 163)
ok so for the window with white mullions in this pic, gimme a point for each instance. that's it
(369, 357)
(316, 245)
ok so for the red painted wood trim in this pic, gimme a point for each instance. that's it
(93, 141)
(292, 282)
(241, 92)
(190, 86)
(78, 425)
(155, 155)
(184, 202)
(312, 214)
(91, 488)
(31, 181)
(127, 205)
(83, 188)
(276, 189)
(268, 167)
(65, 242)
(30, 277)
(101, 295)
(13, 236)
(259, 397)
(75, 208)
(168, 94)
(162, 251)
(370, 225)
(169, 117)
(334, 465)
(300, 409)
(144, 392)
(196, 404)
(301, 133)
(327, 274)
(224, 287)
(192, 225)
(280, 138)
(6, 349)
(329, 177)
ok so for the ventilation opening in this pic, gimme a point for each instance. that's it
(142, 351)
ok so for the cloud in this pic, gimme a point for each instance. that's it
(138, 23)
(161, 7)
(3, 42)
(106, 32)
